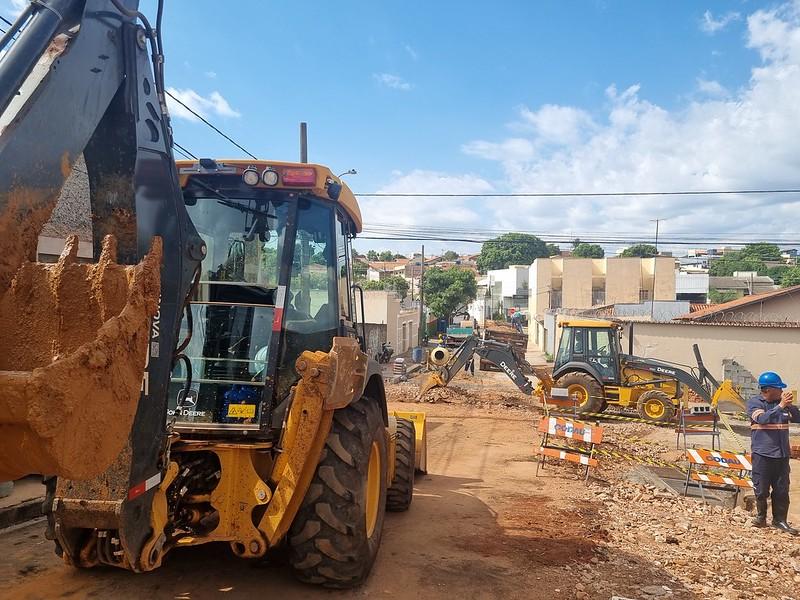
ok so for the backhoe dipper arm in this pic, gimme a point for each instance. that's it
(497, 353)
(77, 78)
(503, 356)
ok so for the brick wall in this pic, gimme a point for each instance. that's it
(741, 378)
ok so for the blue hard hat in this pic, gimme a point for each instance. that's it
(770, 379)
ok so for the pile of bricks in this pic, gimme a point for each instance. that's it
(795, 449)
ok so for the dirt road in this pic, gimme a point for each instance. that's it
(481, 526)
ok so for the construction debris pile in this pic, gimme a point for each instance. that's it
(707, 550)
(463, 395)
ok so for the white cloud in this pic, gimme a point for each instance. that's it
(211, 74)
(394, 82)
(17, 6)
(710, 25)
(215, 104)
(711, 88)
(409, 213)
(411, 52)
(719, 140)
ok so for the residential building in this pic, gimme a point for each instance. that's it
(388, 319)
(587, 282)
(72, 215)
(691, 284)
(742, 283)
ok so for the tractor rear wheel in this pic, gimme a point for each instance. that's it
(655, 405)
(335, 536)
(585, 389)
(401, 492)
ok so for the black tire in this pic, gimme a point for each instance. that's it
(401, 492)
(587, 388)
(648, 406)
(329, 542)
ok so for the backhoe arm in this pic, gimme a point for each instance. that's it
(497, 353)
(81, 344)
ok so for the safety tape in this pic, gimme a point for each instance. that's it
(141, 488)
(654, 462)
(614, 417)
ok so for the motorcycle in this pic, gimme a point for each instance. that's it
(385, 355)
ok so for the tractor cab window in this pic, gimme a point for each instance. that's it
(564, 345)
(601, 353)
(342, 270)
(232, 310)
(578, 346)
(311, 311)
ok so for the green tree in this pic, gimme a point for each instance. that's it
(727, 264)
(450, 255)
(447, 289)
(395, 284)
(396, 256)
(762, 251)
(553, 250)
(777, 273)
(359, 270)
(576, 242)
(372, 256)
(386, 256)
(640, 251)
(584, 250)
(791, 277)
(511, 249)
(717, 297)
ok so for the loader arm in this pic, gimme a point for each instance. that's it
(497, 353)
(76, 79)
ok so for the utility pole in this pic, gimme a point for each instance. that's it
(303, 142)
(422, 324)
(655, 262)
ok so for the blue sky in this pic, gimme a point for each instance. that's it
(469, 97)
(278, 63)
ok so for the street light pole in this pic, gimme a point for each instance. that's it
(655, 262)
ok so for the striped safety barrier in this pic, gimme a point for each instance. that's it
(584, 436)
(737, 466)
(722, 479)
(572, 430)
(581, 459)
(720, 458)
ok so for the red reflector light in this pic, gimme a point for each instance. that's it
(299, 176)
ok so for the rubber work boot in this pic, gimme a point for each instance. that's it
(760, 519)
(779, 515)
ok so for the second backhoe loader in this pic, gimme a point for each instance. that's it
(205, 380)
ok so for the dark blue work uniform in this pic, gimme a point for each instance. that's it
(769, 438)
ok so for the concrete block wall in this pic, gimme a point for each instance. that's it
(742, 379)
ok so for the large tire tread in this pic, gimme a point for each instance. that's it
(401, 492)
(328, 542)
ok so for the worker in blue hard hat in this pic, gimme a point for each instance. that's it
(770, 413)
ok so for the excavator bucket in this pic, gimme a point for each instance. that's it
(73, 349)
(433, 380)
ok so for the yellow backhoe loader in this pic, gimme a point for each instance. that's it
(206, 379)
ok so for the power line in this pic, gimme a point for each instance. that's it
(577, 194)
(204, 120)
(6, 21)
(554, 240)
(183, 151)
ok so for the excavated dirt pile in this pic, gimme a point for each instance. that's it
(73, 345)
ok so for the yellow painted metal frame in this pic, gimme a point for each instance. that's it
(328, 381)
(347, 199)
(421, 442)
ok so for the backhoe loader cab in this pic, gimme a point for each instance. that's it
(591, 366)
(277, 238)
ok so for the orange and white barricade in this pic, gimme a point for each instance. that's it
(731, 470)
(584, 438)
(701, 419)
(559, 400)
